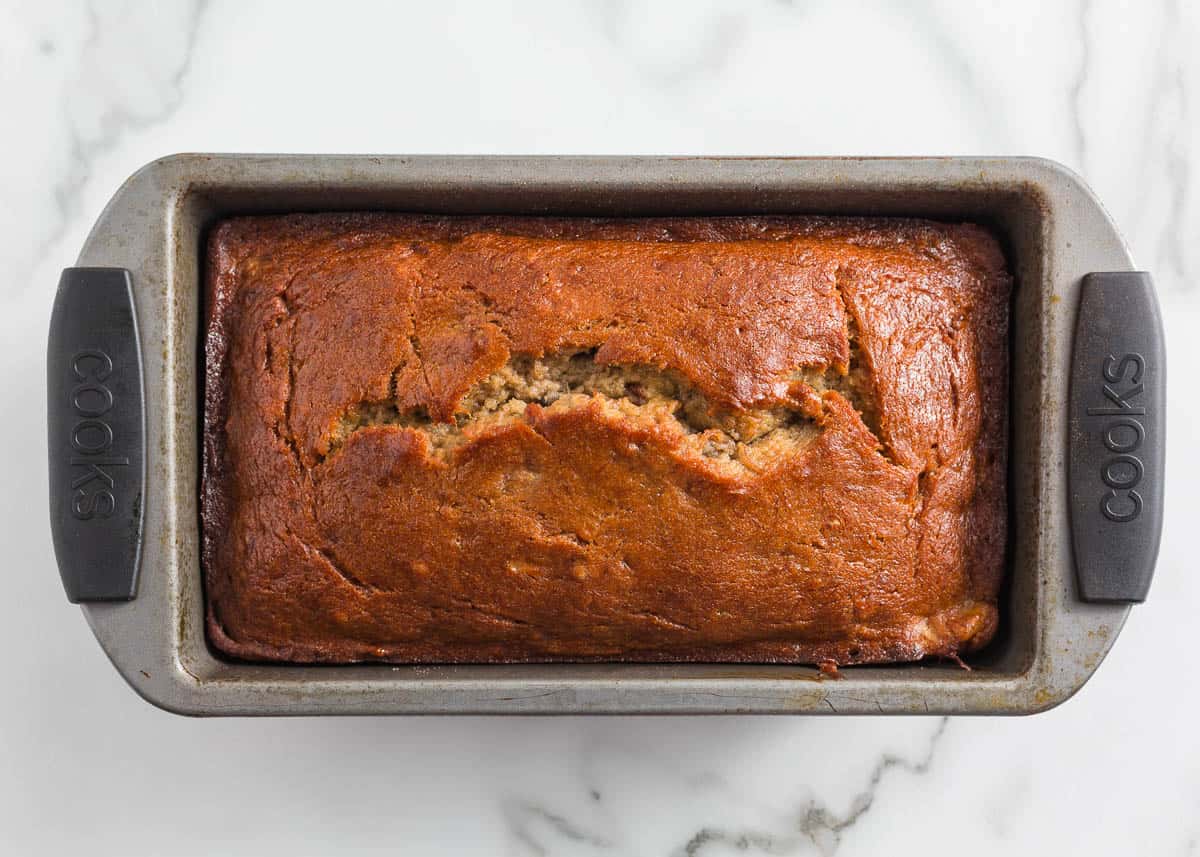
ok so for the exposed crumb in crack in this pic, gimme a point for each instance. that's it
(855, 386)
(559, 377)
(572, 379)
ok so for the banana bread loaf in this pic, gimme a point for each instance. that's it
(766, 439)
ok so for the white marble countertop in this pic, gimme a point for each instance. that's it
(89, 93)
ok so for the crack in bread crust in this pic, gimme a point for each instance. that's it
(573, 378)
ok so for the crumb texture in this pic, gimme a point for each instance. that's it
(521, 439)
(643, 395)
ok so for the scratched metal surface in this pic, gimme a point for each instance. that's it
(1055, 229)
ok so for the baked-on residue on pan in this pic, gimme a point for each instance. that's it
(761, 439)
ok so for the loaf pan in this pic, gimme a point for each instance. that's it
(1085, 480)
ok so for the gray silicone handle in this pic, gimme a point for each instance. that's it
(96, 423)
(1117, 438)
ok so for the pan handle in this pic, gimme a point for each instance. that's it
(1117, 436)
(97, 434)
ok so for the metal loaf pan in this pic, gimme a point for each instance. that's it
(125, 365)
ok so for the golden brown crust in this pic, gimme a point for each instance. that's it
(601, 525)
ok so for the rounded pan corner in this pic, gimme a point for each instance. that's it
(131, 229)
(175, 694)
(164, 683)
(151, 176)
(1076, 643)
(165, 167)
(1041, 698)
(1049, 168)
(135, 641)
(1094, 241)
(1053, 699)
